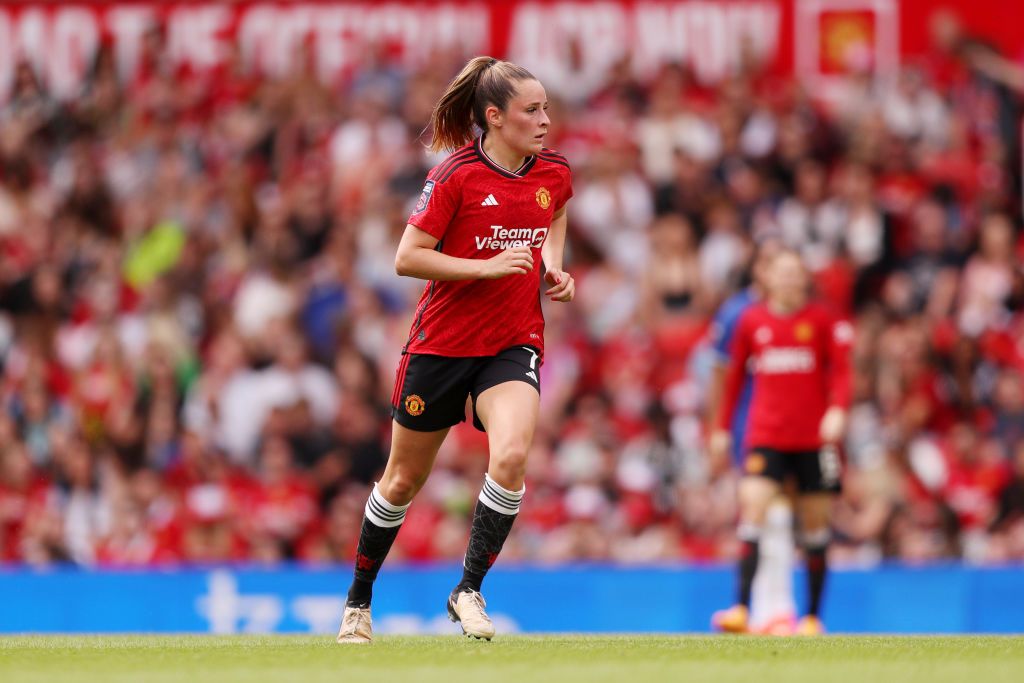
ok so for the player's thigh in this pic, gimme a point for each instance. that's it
(764, 471)
(409, 463)
(517, 364)
(430, 391)
(814, 511)
(756, 494)
(508, 413)
(430, 397)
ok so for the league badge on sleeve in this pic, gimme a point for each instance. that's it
(421, 204)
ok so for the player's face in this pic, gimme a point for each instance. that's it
(787, 280)
(525, 121)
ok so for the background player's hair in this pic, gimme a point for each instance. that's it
(482, 82)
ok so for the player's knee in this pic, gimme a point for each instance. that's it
(401, 486)
(814, 519)
(508, 466)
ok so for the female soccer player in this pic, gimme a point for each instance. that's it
(485, 216)
(799, 357)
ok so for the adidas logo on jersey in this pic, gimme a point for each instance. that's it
(490, 201)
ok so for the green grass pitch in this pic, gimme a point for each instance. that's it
(563, 659)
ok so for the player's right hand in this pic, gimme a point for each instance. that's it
(512, 261)
(719, 444)
(833, 425)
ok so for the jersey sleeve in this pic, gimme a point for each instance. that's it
(436, 206)
(566, 194)
(739, 351)
(723, 329)
(840, 350)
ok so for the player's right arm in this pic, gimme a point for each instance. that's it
(418, 257)
(739, 351)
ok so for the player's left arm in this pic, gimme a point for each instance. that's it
(839, 348)
(562, 285)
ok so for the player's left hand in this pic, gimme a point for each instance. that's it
(563, 287)
(833, 425)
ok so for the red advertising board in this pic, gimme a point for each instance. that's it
(813, 38)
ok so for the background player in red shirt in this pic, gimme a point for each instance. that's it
(485, 217)
(799, 356)
(772, 609)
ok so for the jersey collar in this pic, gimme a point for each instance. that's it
(493, 165)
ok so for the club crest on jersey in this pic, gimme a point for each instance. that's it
(755, 463)
(803, 331)
(414, 405)
(543, 198)
(421, 204)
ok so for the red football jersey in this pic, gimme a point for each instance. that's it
(800, 364)
(477, 209)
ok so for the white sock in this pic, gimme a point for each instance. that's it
(501, 499)
(381, 512)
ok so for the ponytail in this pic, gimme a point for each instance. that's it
(482, 82)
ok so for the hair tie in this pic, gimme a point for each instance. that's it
(493, 62)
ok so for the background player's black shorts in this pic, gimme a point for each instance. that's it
(430, 391)
(815, 471)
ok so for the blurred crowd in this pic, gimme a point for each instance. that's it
(200, 319)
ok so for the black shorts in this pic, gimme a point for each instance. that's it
(430, 391)
(815, 471)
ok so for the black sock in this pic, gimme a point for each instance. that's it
(750, 553)
(496, 510)
(817, 568)
(381, 522)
